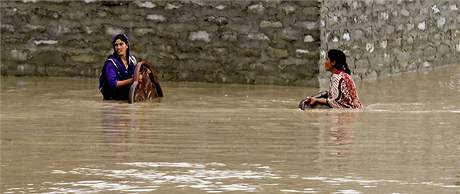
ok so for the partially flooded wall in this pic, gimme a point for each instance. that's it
(384, 37)
(256, 42)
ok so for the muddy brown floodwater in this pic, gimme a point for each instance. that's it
(58, 136)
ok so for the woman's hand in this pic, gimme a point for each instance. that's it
(315, 101)
(307, 100)
(312, 101)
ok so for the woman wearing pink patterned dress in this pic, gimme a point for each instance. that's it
(342, 90)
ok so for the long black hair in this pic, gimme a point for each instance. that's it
(340, 60)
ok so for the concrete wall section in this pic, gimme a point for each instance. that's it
(384, 37)
(256, 42)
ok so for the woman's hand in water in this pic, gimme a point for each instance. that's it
(312, 101)
(315, 101)
(307, 100)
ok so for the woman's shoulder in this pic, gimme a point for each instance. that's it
(132, 59)
(111, 58)
(111, 61)
(336, 76)
(346, 76)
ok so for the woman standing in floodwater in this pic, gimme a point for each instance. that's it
(342, 90)
(117, 73)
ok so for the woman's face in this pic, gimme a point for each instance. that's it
(328, 64)
(120, 47)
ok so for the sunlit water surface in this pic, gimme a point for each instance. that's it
(58, 136)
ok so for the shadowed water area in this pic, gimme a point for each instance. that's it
(58, 136)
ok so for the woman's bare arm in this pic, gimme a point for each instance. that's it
(125, 82)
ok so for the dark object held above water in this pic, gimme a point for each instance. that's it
(305, 103)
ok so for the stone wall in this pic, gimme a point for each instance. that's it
(247, 41)
(385, 37)
(256, 42)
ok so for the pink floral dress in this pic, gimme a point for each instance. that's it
(342, 92)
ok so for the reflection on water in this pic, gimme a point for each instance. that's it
(58, 136)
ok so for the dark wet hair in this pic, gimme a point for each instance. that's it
(340, 60)
(123, 38)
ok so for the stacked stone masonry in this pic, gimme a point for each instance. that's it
(256, 42)
(386, 37)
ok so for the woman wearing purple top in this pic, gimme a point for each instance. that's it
(117, 73)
